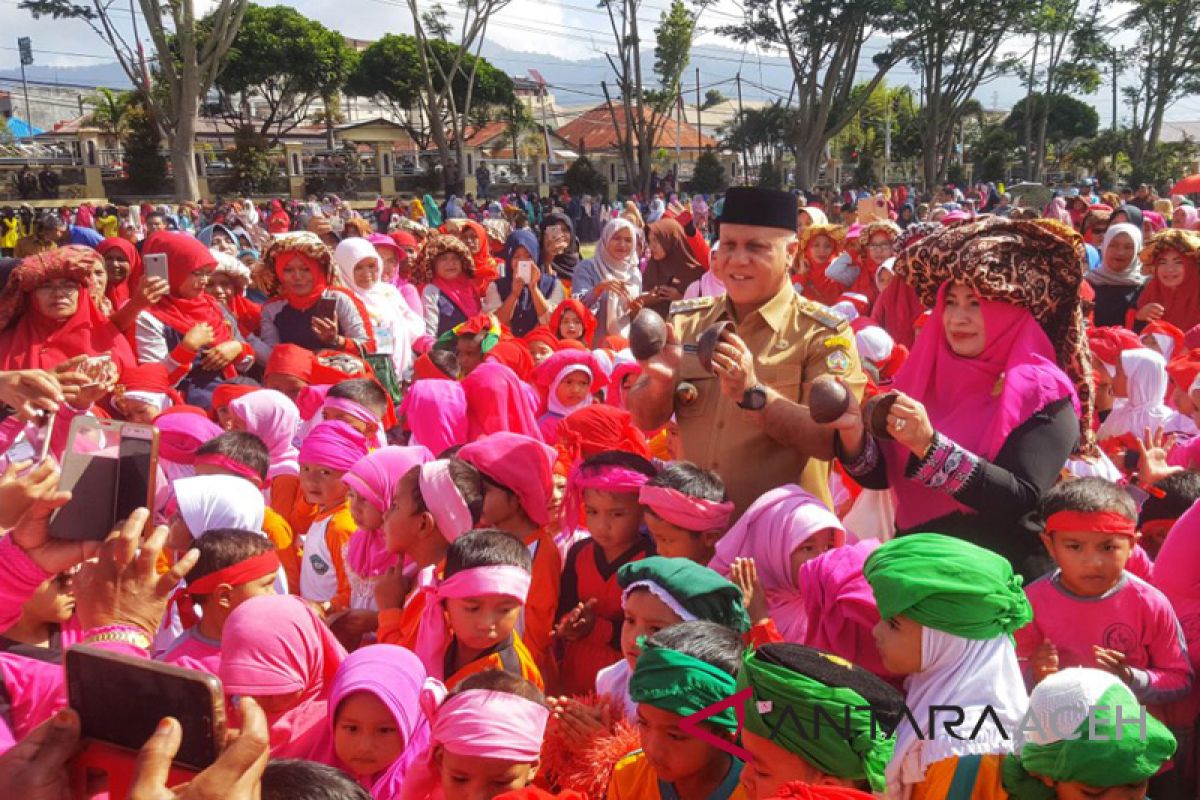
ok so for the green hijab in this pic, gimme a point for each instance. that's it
(696, 589)
(681, 684)
(947, 584)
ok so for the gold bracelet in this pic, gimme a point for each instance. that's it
(135, 638)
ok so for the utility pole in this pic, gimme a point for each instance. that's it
(25, 46)
(699, 130)
(741, 119)
(1115, 68)
(79, 97)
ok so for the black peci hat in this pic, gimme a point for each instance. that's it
(767, 208)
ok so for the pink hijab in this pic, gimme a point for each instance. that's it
(497, 400)
(375, 478)
(394, 675)
(273, 645)
(773, 526)
(179, 437)
(1177, 575)
(976, 402)
(272, 417)
(435, 411)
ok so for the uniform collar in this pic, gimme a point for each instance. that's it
(774, 312)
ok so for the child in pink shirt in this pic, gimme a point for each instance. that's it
(234, 566)
(1092, 612)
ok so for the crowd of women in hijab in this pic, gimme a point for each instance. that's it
(407, 508)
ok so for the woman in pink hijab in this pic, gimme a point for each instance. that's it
(781, 530)
(274, 418)
(390, 676)
(372, 482)
(435, 413)
(497, 400)
(276, 649)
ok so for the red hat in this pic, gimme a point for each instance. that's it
(596, 429)
(513, 355)
(549, 370)
(1184, 368)
(521, 464)
(543, 334)
(1109, 342)
(1160, 328)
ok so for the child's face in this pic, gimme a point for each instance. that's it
(480, 623)
(255, 588)
(540, 351)
(671, 753)
(1091, 561)
(322, 486)
(469, 353)
(179, 536)
(364, 513)
(365, 735)
(225, 418)
(570, 326)
(672, 541)
(612, 519)
(810, 548)
(573, 389)
(645, 615)
(1170, 268)
(1154, 533)
(500, 506)
(1070, 790)
(772, 767)
(475, 778)
(898, 640)
(367, 429)
(290, 385)
(403, 525)
(821, 248)
(53, 602)
(136, 410)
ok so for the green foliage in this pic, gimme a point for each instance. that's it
(109, 109)
(253, 167)
(583, 178)
(1068, 118)
(957, 174)
(770, 176)
(864, 170)
(770, 127)
(712, 97)
(144, 162)
(992, 153)
(1164, 164)
(672, 48)
(708, 175)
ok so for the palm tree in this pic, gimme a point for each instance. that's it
(110, 110)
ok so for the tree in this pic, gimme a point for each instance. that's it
(769, 175)
(708, 175)
(144, 163)
(642, 112)
(110, 110)
(954, 48)
(1066, 119)
(185, 63)
(253, 168)
(712, 97)
(992, 153)
(766, 131)
(391, 71)
(824, 42)
(284, 60)
(582, 178)
(1169, 48)
(1068, 39)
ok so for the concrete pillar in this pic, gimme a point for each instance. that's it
(541, 174)
(93, 181)
(293, 153)
(385, 164)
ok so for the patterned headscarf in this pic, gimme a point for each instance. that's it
(304, 243)
(436, 245)
(1037, 265)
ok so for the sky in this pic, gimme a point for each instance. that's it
(574, 30)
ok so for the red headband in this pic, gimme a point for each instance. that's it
(1098, 521)
(235, 575)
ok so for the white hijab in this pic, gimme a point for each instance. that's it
(1130, 276)
(386, 305)
(1146, 376)
(971, 675)
(209, 502)
(615, 309)
(554, 405)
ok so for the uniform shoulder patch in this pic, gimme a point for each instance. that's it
(822, 314)
(693, 304)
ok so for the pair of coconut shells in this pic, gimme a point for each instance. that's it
(828, 400)
(648, 336)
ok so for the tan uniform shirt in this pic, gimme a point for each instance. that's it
(793, 340)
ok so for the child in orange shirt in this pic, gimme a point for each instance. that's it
(517, 486)
(361, 403)
(470, 615)
(326, 453)
(687, 511)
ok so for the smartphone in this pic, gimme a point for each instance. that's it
(120, 700)
(326, 308)
(155, 265)
(109, 468)
(525, 271)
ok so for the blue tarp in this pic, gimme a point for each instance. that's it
(20, 128)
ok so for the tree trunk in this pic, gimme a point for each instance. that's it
(808, 163)
(183, 161)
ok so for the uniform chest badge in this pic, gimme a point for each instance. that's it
(837, 361)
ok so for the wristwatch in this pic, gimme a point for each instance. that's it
(755, 398)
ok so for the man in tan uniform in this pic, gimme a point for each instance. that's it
(749, 421)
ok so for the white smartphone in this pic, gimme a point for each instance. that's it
(156, 265)
(525, 271)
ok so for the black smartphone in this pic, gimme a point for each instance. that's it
(120, 700)
(326, 308)
(109, 468)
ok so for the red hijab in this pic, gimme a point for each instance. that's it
(118, 294)
(186, 254)
(1182, 304)
(31, 340)
(581, 311)
(303, 302)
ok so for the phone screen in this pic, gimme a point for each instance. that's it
(120, 700)
(326, 308)
(135, 470)
(109, 470)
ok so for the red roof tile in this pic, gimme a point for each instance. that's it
(594, 128)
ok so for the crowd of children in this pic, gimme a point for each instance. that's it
(462, 571)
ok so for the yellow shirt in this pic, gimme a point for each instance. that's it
(634, 779)
(939, 777)
(794, 341)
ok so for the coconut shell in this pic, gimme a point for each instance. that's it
(875, 413)
(827, 400)
(647, 335)
(708, 341)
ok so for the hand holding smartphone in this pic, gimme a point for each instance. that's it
(525, 272)
(155, 265)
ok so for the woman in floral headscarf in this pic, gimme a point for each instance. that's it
(995, 395)
(446, 273)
